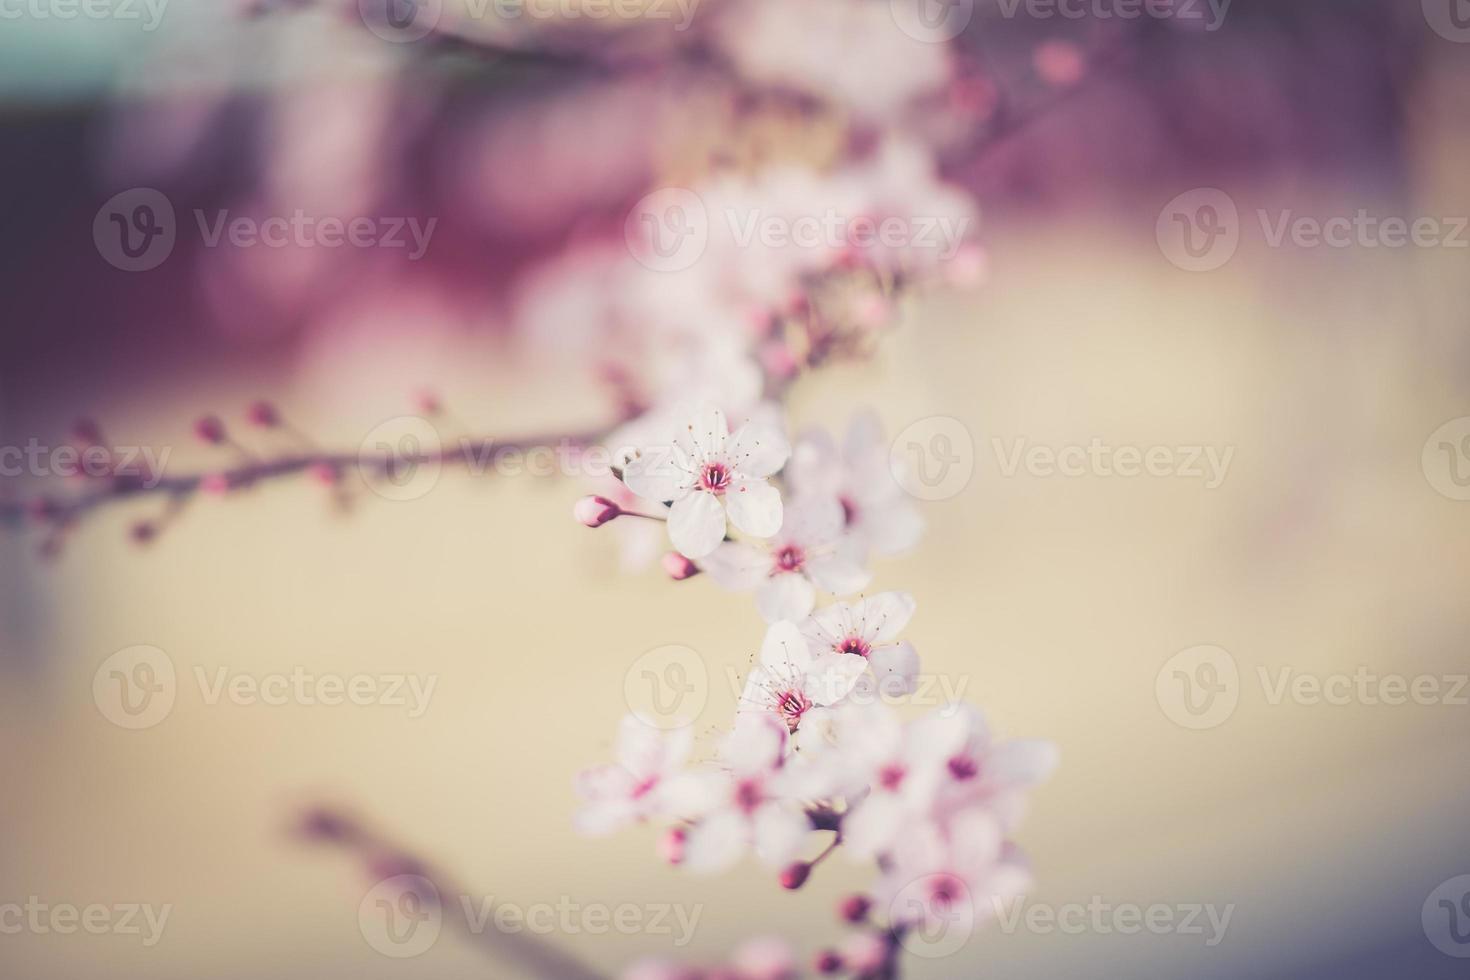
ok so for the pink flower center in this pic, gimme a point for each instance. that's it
(891, 776)
(789, 558)
(715, 477)
(792, 705)
(944, 890)
(645, 787)
(748, 795)
(855, 644)
(849, 511)
(963, 767)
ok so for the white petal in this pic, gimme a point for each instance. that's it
(815, 468)
(603, 817)
(755, 745)
(884, 615)
(832, 676)
(691, 794)
(657, 475)
(716, 843)
(736, 566)
(837, 574)
(755, 507)
(812, 521)
(645, 750)
(784, 650)
(697, 524)
(758, 450)
(864, 436)
(831, 625)
(975, 841)
(785, 596)
(895, 669)
(872, 827)
(780, 829)
(704, 435)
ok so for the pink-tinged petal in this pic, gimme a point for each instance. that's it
(832, 676)
(754, 745)
(884, 615)
(604, 782)
(785, 596)
(895, 669)
(872, 827)
(736, 566)
(975, 840)
(1021, 762)
(717, 842)
(645, 750)
(755, 507)
(815, 468)
(758, 450)
(704, 435)
(697, 524)
(812, 521)
(784, 650)
(657, 475)
(830, 625)
(1000, 888)
(604, 817)
(780, 829)
(838, 574)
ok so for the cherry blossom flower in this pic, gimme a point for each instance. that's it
(979, 771)
(808, 553)
(869, 629)
(708, 475)
(746, 805)
(788, 682)
(952, 875)
(876, 510)
(631, 789)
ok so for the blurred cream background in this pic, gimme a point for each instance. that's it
(1056, 601)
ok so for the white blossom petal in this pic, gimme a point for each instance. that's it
(704, 436)
(838, 574)
(716, 843)
(758, 450)
(755, 507)
(784, 650)
(787, 595)
(832, 676)
(895, 669)
(736, 566)
(656, 475)
(697, 524)
(884, 615)
(780, 828)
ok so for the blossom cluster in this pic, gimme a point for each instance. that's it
(817, 748)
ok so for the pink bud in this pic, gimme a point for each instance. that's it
(854, 908)
(777, 359)
(215, 483)
(263, 415)
(210, 429)
(143, 532)
(595, 511)
(86, 432)
(828, 961)
(671, 845)
(863, 952)
(1059, 63)
(678, 567)
(426, 402)
(794, 875)
(324, 473)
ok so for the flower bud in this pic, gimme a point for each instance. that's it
(217, 484)
(426, 403)
(828, 962)
(794, 875)
(854, 908)
(678, 567)
(143, 532)
(671, 845)
(595, 511)
(210, 429)
(263, 415)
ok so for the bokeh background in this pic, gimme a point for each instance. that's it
(1056, 600)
